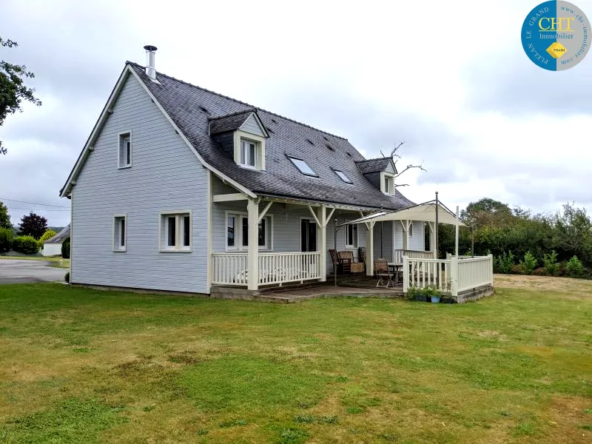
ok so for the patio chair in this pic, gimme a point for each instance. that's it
(381, 270)
(362, 257)
(343, 264)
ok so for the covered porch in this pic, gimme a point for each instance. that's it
(278, 242)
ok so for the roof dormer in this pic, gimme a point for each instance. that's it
(380, 172)
(242, 136)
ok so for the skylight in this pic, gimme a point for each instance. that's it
(303, 167)
(342, 176)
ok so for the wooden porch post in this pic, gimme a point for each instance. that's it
(406, 236)
(433, 240)
(370, 249)
(253, 256)
(323, 228)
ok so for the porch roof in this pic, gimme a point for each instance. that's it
(425, 212)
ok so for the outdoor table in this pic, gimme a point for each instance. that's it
(396, 268)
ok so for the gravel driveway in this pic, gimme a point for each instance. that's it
(27, 271)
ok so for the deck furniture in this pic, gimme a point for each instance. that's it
(343, 263)
(382, 272)
(348, 258)
(395, 269)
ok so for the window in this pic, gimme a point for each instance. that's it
(342, 176)
(303, 167)
(119, 233)
(237, 232)
(351, 236)
(249, 153)
(411, 229)
(125, 150)
(388, 183)
(175, 232)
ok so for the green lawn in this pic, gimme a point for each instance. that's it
(80, 365)
(56, 261)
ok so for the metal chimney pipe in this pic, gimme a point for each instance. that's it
(150, 61)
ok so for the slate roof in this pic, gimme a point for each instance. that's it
(374, 165)
(192, 108)
(230, 122)
(60, 237)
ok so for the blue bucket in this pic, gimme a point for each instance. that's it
(435, 299)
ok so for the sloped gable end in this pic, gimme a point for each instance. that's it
(253, 126)
(390, 168)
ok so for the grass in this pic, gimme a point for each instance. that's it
(56, 261)
(79, 365)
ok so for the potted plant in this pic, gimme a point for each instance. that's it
(416, 294)
(433, 294)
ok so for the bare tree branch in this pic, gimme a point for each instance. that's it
(410, 167)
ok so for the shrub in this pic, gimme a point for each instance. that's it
(528, 264)
(25, 245)
(47, 235)
(67, 277)
(551, 265)
(516, 269)
(574, 268)
(428, 292)
(66, 249)
(5, 240)
(505, 262)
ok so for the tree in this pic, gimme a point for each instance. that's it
(4, 217)
(396, 157)
(33, 225)
(12, 87)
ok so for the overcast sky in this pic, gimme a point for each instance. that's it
(453, 82)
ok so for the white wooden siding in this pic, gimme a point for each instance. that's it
(251, 126)
(286, 224)
(165, 176)
(416, 242)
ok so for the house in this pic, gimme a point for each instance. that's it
(182, 189)
(53, 245)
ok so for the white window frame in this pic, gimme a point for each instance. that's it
(116, 235)
(292, 161)
(345, 176)
(239, 232)
(179, 232)
(120, 138)
(239, 138)
(391, 178)
(246, 153)
(354, 228)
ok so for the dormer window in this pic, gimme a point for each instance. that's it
(388, 183)
(249, 153)
(242, 136)
(303, 167)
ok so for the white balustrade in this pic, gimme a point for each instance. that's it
(450, 276)
(274, 268)
(421, 273)
(414, 254)
(475, 272)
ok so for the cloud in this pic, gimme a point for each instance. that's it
(484, 120)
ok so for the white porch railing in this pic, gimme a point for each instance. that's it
(414, 254)
(421, 273)
(229, 268)
(475, 272)
(449, 276)
(274, 268)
